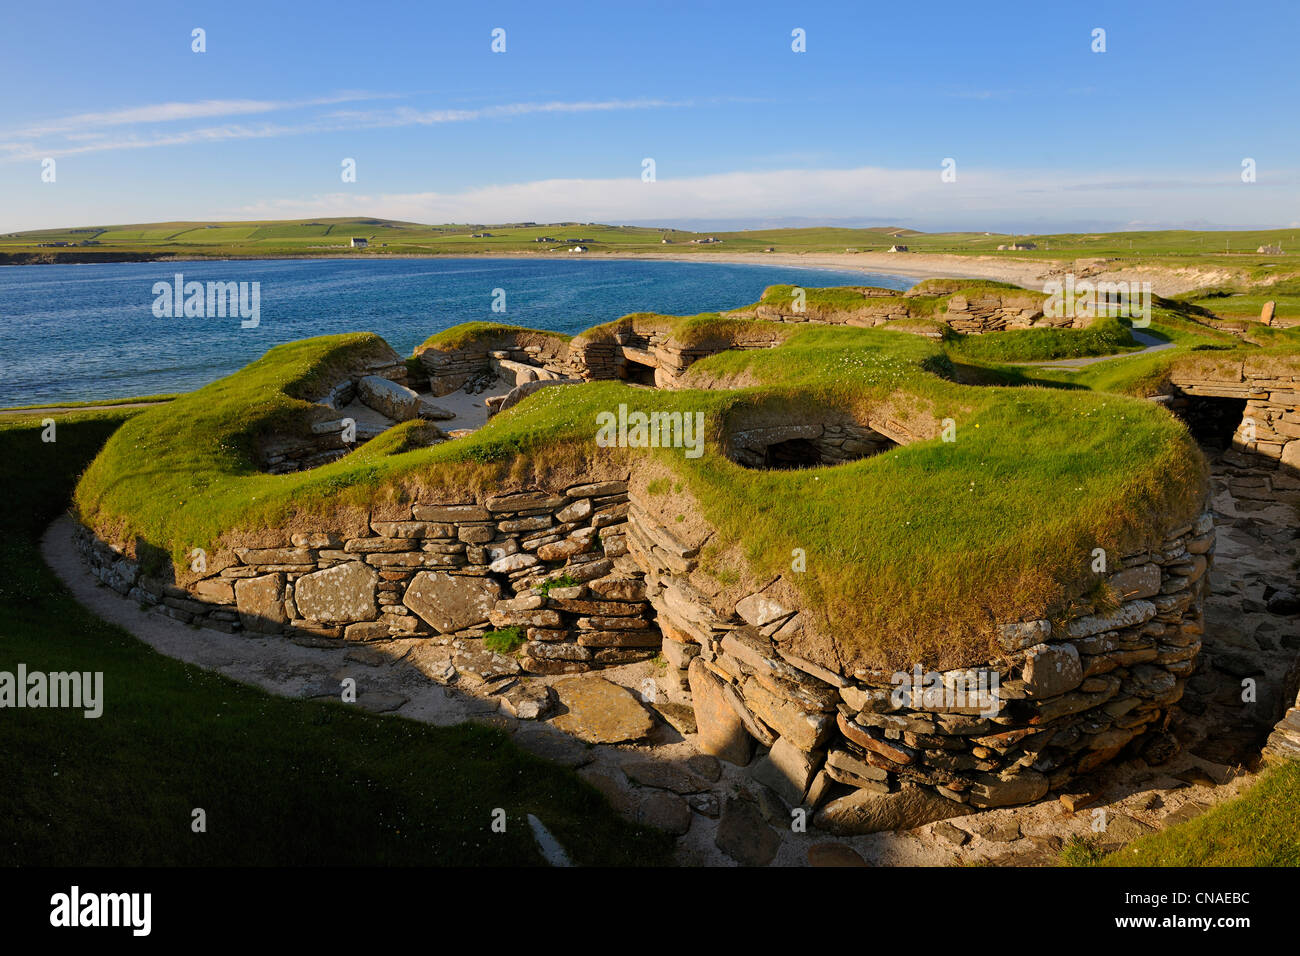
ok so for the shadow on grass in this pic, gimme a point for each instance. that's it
(280, 782)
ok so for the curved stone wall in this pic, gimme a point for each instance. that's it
(1068, 696)
(590, 578)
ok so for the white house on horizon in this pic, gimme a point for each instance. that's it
(359, 243)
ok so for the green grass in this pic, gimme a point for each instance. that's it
(563, 581)
(505, 641)
(92, 403)
(1104, 337)
(1221, 254)
(961, 534)
(281, 781)
(1261, 827)
(473, 333)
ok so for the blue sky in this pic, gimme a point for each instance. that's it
(1046, 134)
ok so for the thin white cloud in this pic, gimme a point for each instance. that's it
(907, 196)
(175, 112)
(73, 137)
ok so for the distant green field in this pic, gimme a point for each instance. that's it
(1234, 252)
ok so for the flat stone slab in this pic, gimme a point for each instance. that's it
(342, 594)
(451, 602)
(865, 812)
(834, 854)
(380, 702)
(663, 775)
(600, 712)
(744, 835)
(553, 746)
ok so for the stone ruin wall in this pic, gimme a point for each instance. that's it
(521, 359)
(1270, 425)
(1073, 695)
(973, 314)
(324, 443)
(649, 344)
(450, 571)
(511, 357)
(1264, 464)
(521, 362)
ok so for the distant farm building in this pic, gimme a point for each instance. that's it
(705, 242)
(1273, 250)
(359, 243)
(578, 249)
(1018, 247)
(898, 248)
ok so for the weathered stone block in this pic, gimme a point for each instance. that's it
(1052, 669)
(342, 594)
(450, 602)
(721, 731)
(261, 603)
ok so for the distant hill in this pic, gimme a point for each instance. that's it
(334, 237)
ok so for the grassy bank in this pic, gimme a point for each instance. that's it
(1261, 827)
(1104, 337)
(1224, 253)
(985, 528)
(282, 782)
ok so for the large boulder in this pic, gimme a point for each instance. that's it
(788, 771)
(388, 398)
(451, 602)
(339, 595)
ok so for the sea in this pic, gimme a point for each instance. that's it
(107, 330)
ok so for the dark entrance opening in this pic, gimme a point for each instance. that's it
(638, 373)
(794, 453)
(1212, 421)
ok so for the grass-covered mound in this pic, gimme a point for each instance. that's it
(1108, 336)
(706, 330)
(912, 555)
(923, 301)
(282, 782)
(486, 334)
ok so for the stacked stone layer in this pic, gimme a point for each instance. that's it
(1071, 695)
(547, 564)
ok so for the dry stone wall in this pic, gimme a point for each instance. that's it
(550, 564)
(513, 357)
(972, 314)
(589, 578)
(1071, 695)
(645, 342)
(1270, 425)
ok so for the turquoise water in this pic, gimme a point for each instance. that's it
(78, 332)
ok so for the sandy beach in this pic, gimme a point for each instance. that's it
(1029, 273)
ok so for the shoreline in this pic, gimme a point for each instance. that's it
(1026, 273)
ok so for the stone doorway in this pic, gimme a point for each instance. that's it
(637, 373)
(1212, 420)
